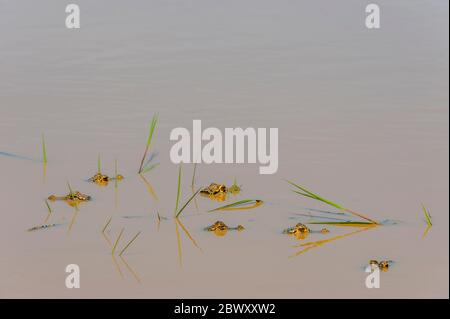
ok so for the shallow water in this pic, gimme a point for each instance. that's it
(362, 118)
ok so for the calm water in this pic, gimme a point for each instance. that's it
(362, 118)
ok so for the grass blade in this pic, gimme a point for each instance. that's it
(178, 191)
(149, 140)
(70, 188)
(48, 206)
(187, 203)
(117, 241)
(49, 211)
(238, 205)
(427, 215)
(310, 194)
(98, 164)
(307, 193)
(193, 175)
(44, 151)
(129, 243)
(106, 225)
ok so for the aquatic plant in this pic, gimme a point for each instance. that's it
(240, 205)
(305, 192)
(129, 243)
(149, 140)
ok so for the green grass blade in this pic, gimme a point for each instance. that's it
(149, 140)
(304, 194)
(427, 215)
(98, 164)
(308, 193)
(311, 194)
(178, 191)
(187, 202)
(44, 151)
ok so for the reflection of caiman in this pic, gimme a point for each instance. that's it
(71, 198)
(219, 228)
(301, 231)
(219, 192)
(103, 180)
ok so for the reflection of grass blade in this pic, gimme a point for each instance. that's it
(187, 202)
(310, 245)
(131, 270)
(149, 168)
(117, 241)
(307, 193)
(346, 223)
(180, 258)
(150, 189)
(427, 215)
(188, 234)
(149, 140)
(44, 151)
(129, 243)
(178, 191)
(426, 231)
(321, 217)
(239, 205)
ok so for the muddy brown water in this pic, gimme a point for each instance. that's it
(362, 118)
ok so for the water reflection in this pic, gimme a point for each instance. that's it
(150, 188)
(314, 244)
